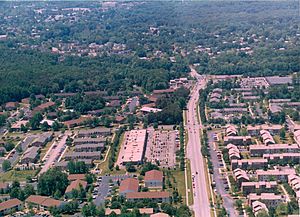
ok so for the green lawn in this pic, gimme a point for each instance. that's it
(14, 175)
(189, 183)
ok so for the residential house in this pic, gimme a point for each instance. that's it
(154, 179)
(267, 137)
(82, 155)
(248, 164)
(43, 107)
(255, 130)
(9, 106)
(258, 207)
(73, 177)
(160, 214)
(77, 122)
(75, 185)
(233, 152)
(156, 197)
(237, 140)
(81, 141)
(4, 186)
(269, 199)
(100, 131)
(261, 186)
(30, 155)
(260, 150)
(10, 206)
(42, 139)
(240, 176)
(42, 202)
(128, 185)
(94, 147)
(231, 130)
(287, 157)
(280, 174)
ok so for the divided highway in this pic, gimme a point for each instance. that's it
(201, 205)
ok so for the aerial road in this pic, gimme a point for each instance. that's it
(201, 206)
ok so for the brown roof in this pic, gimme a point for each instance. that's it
(42, 200)
(119, 118)
(76, 185)
(163, 91)
(129, 184)
(3, 185)
(11, 104)
(76, 121)
(150, 195)
(160, 214)
(154, 175)
(73, 177)
(9, 204)
(44, 106)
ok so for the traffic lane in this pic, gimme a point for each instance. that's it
(201, 193)
(201, 202)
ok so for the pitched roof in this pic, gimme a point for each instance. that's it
(9, 204)
(130, 184)
(150, 195)
(154, 175)
(44, 201)
(76, 185)
(160, 214)
(73, 177)
(3, 185)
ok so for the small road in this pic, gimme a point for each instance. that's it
(201, 205)
(54, 152)
(220, 179)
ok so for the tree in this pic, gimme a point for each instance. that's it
(9, 146)
(55, 126)
(45, 126)
(282, 209)
(2, 120)
(77, 167)
(89, 210)
(24, 129)
(130, 167)
(282, 133)
(35, 121)
(6, 165)
(28, 190)
(53, 182)
(262, 214)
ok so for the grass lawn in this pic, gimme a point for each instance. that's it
(179, 183)
(104, 165)
(14, 175)
(45, 149)
(189, 183)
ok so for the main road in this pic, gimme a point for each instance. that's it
(201, 206)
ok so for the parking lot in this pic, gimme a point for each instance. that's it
(103, 187)
(162, 146)
(220, 182)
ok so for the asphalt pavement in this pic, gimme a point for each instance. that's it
(220, 179)
(201, 206)
(105, 184)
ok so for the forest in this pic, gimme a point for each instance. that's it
(160, 41)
